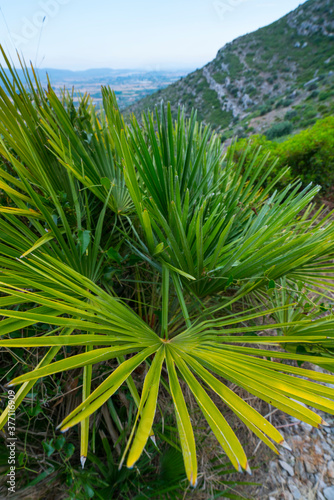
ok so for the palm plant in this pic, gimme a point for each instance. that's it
(195, 240)
(296, 302)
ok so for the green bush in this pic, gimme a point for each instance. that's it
(324, 95)
(291, 115)
(279, 129)
(311, 153)
(235, 66)
(263, 110)
(309, 112)
(220, 77)
(263, 150)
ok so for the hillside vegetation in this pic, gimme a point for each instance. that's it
(310, 154)
(257, 79)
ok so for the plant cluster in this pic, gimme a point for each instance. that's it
(310, 153)
(145, 245)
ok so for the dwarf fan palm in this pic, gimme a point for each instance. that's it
(205, 232)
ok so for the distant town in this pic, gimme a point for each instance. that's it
(130, 85)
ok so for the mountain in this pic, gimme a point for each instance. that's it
(282, 72)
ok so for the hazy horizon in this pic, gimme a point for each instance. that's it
(66, 34)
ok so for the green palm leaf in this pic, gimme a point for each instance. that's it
(144, 244)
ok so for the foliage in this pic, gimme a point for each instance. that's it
(258, 147)
(141, 246)
(279, 129)
(160, 472)
(310, 154)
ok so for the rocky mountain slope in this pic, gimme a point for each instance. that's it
(284, 71)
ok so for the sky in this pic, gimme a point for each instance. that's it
(145, 34)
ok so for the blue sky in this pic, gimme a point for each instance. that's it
(147, 34)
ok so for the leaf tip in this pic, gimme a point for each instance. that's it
(285, 445)
(153, 439)
(83, 460)
(193, 480)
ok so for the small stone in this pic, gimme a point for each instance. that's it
(330, 469)
(318, 450)
(319, 483)
(300, 469)
(329, 493)
(327, 447)
(309, 466)
(273, 465)
(294, 490)
(286, 467)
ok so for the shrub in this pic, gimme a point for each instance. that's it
(311, 153)
(235, 66)
(263, 110)
(279, 129)
(233, 90)
(263, 150)
(312, 86)
(309, 112)
(291, 115)
(284, 103)
(324, 95)
(313, 95)
(220, 77)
